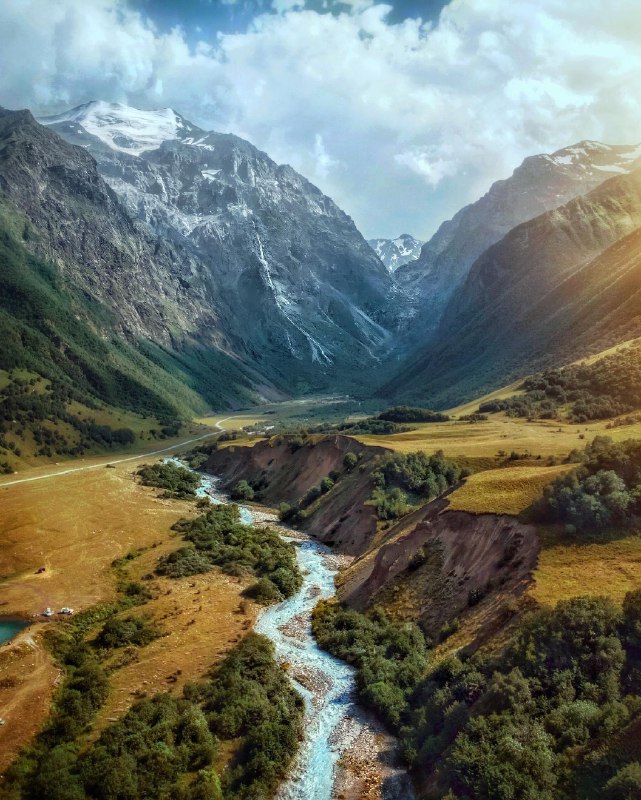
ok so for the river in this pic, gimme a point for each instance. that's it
(334, 724)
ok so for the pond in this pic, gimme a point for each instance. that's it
(10, 627)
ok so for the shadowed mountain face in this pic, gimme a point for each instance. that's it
(555, 287)
(298, 294)
(541, 183)
(120, 280)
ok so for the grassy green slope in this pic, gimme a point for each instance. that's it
(71, 383)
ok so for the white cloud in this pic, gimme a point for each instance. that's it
(429, 165)
(401, 124)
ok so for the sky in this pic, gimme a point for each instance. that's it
(402, 111)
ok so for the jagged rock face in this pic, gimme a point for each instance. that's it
(394, 253)
(541, 183)
(304, 298)
(86, 230)
(554, 288)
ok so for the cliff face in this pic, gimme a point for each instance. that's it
(541, 183)
(429, 567)
(435, 564)
(302, 297)
(550, 291)
(86, 231)
(285, 472)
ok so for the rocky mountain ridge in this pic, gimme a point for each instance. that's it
(303, 298)
(541, 183)
(553, 289)
(394, 253)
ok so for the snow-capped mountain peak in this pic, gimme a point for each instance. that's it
(126, 129)
(590, 155)
(394, 253)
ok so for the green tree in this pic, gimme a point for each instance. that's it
(626, 784)
(242, 491)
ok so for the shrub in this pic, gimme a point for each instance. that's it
(182, 563)
(349, 461)
(626, 784)
(178, 481)
(218, 538)
(124, 631)
(242, 491)
(604, 490)
(412, 414)
(403, 480)
(390, 658)
(326, 484)
(264, 592)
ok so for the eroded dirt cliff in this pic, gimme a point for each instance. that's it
(429, 567)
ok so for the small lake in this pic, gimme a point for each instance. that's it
(10, 627)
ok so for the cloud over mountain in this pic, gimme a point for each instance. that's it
(400, 123)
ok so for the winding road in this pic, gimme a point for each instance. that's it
(176, 446)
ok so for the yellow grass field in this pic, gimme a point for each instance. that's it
(485, 439)
(569, 567)
(509, 490)
(74, 525)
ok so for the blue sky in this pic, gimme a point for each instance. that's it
(402, 112)
(207, 17)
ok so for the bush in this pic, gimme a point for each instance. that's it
(218, 538)
(371, 426)
(251, 699)
(390, 658)
(390, 504)
(147, 753)
(404, 480)
(183, 562)
(326, 485)
(626, 784)
(242, 491)
(604, 490)
(164, 747)
(530, 721)
(412, 414)
(608, 387)
(349, 461)
(179, 482)
(124, 631)
(263, 592)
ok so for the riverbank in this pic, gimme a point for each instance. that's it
(346, 754)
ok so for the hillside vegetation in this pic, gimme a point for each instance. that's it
(165, 746)
(601, 389)
(61, 374)
(545, 718)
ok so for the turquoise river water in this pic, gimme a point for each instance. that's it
(326, 684)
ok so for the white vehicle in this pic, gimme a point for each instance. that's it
(66, 610)
(47, 613)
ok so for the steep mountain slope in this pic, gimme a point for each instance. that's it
(135, 285)
(541, 183)
(394, 253)
(300, 294)
(556, 287)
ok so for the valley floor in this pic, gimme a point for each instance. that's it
(74, 521)
(63, 526)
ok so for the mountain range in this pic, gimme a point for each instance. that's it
(190, 271)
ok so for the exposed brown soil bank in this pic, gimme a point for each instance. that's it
(429, 567)
(287, 470)
(435, 564)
